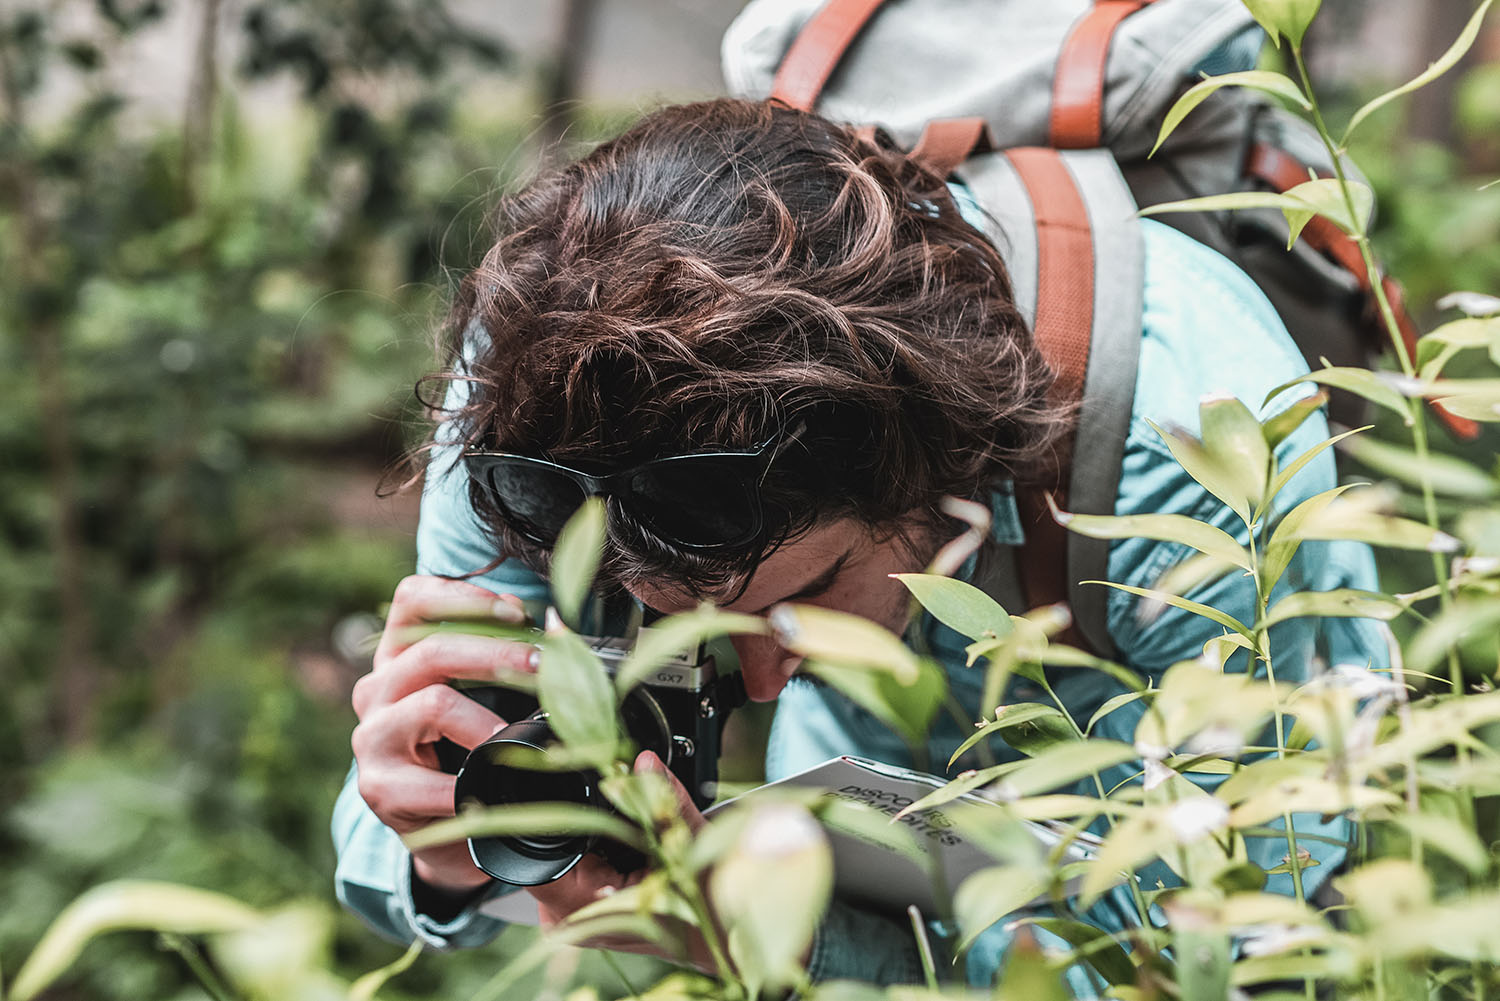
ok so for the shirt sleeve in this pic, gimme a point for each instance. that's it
(373, 877)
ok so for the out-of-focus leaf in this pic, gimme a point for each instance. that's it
(958, 605)
(1340, 603)
(1284, 476)
(1198, 570)
(771, 890)
(1477, 616)
(1346, 519)
(367, 986)
(1199, 535)
(1064, 763)
(1212, 614)
(1227, 203)
(1475, 399)
(1444, 63)
(1308, 794)
(122, 905)
(575, 691)
(1387, 889)
(286, 955)
(839, 638)
(525, 819)
(575, 558)
(668, 637)
(1359, 381)
(1132, 842)
(1454, 839)
(1006, 717)
(1279, 428)
(1445, 473)
(1206, 468)
(906, 707)
(1288, 18)
(1286, 538)
(1270, 83)
(1234, 437)
(1090, 945)
(1324, 196)
(1110, 705)
(991, 894)
(1430, 727)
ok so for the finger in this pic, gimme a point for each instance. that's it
(421, 599)
(440, 658)
(588, 881)
(406, 796)
(647, 761)
(396, 730)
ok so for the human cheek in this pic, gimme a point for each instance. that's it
(766, 666)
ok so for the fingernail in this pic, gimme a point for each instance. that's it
(534, 659)
(604, 891)
(506, 612)
(648, 761)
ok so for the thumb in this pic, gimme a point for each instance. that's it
(647, 761)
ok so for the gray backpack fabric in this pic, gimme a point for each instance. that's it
(1094, 79)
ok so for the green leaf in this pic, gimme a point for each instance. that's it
(575, 559)
(1444, 63)
(666, 638)
(1130, 843)
(1091, 945)
(1324, 196)
(1465, 618)
(1359, 381)
(1346, 519)
(1199, 535)
(832, 637)
(575, 692)
(1008, 716)
(1279, 428)
(907, 708)
(120, 906)
(1230, 202)
(992, 894)
(1347, 603)
(525, 819)
(1212, 614)
(1287, 537)
(1296, 466)
(1203, 962)
(1063, 764)
(1431, 727)
(960, 606)
(367, 986)
(771, 890)
(1438, 346)
(1110, 705)
(1454, 839)
(1233, 437)
(1288, 18)
(1194, 572)
(1207, 469)
(1475, 399)
(1270, 83)
(1445, 473)
(1308, 794)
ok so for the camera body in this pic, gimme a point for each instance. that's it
(678, 713)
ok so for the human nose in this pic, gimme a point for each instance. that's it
(765, 665)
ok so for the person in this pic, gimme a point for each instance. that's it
(737, 277)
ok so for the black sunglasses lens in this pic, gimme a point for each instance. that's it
(536, 499)
(697, 501)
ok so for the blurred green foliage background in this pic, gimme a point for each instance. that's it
(211, 319)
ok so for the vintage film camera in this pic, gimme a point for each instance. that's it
(678, 713)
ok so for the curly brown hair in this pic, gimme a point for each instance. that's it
(720, 271)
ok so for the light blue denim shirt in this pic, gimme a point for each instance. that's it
(1205, 328)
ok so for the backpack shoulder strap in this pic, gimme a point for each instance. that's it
(1078, 86)
(1065, 223)
(817, 51)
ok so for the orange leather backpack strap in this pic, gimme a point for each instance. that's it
(817, 51)
(1078, 86)
(947, 142)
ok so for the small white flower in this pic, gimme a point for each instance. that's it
(780, 829)
(999, 792)
(1359, 681)
(1193, 818)
(1470, 303)
(1156, 774)
(1265, 940)
(1219, 739)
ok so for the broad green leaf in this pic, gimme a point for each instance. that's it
(906, 707)
(1199, 535)
(285, 955)
(1454, 839)
(1462, 929)
(522, 820)
(1019, 652)
(1091, 945)
(1475, 399)
(1347, 603)
(1270, 83)
(1288, 18)
(1233, 436)
(771, 890)
(1280, 427)
(1444, 63)
(992, 894)
(1430, 727)
(964, 782)
(1062, 807)
(1287, 536)
(1308, 794)
(1359, 381)
(1387, 889)
(120, 906)
(1132, 842)
(1066, 763)
(1029, 974)
(1467, 617)
(1194, 572)
(1212, 614)
(1006, 716)
(840, 638)
(958, 605)
(647, 798)
(1324, 196)
(1203, 961)
(1332, 966)
(1445, 473)
(1062, 655)
(668, 637)
(575, 559)
(1438, 346)
(575, 692)
(1346, 519)
(1039, 733)
(1207, 469)
(367, 986)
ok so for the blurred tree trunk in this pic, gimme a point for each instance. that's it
(198, 119)
(564, 71)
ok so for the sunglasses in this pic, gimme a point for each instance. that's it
(699, 501)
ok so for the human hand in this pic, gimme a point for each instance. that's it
(405, 706)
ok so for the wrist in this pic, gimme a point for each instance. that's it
(441, 898)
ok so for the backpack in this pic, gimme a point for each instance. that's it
(1048, 112)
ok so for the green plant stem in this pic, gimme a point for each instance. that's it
(202, 972)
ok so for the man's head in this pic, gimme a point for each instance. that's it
(734, 277)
